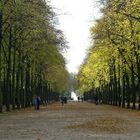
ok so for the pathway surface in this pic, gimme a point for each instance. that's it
(74, 121)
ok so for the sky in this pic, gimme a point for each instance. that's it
(75, 19)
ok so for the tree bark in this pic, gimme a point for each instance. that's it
(1, 95)
(13, 76)
(8, 93)
(128, 90)
(133, 88)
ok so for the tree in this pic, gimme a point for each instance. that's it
(31, 60)
(113, 61)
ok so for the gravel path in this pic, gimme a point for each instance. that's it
(74, 121)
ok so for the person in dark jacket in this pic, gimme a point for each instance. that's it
(96, 99)
(38, 102)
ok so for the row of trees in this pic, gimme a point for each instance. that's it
(112, 67)
(30, 53)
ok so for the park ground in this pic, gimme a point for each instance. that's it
(73, 121)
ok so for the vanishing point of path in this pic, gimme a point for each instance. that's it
(74, 121)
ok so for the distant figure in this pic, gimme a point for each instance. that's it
(65, 100)
(38, 102)
(96, 99)
(82, 99)
(78, 99)
(62, 100)
(35, 102)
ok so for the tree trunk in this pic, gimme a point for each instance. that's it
(133, 92)
(18, 81)
(123, 93)
(138, 67)
(115, 83)
(134, 55)
(1, 95)
(22, 86)
(13, 77)
(27, 87)
(119, 85)
(128, 90)
(8, 93)
(123, 85)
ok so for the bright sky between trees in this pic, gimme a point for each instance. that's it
(75, 19)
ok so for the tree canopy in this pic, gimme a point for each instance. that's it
(31, 60)
(112, 66)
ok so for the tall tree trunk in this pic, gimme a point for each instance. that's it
(123, 92)
(133, 92)
(128, 90)
(134, 56)
(138, 68)
(115, 83)
(124, 85)
(27, 87)
(22, 88)
(4, 84)
(18, 81)
(119, 85)
(139, 87)
(8, 93)
(111, 86)
(1, 95)
(32, 83)
(13, 76)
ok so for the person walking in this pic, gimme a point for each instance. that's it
(78, 99)
(96, 99)
(35, 102)
(65, 100)
(62, 101)
(38, 102)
